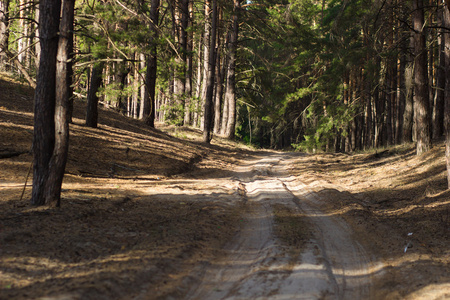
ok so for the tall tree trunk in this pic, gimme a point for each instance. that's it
(421, 99)
(44, 99)
(37, 47)
(5, 53)
(368, 123)
(439, 99)
(392, 102)
(4, 33)
(225, 110)
(401, 92)
(206, 52)
(208, 108)
(446, 23)
(121, 80)
(143, 91)
(376, 107)
(152, 65)
(198, 86)
(136, 87)
(181, 17)
(220, 70)
(189, 71)
(23, 27)
(345, 97)
(408, 115)
(382, 113)
(92, 98)
(390, 81)
(63, 94)
(69, 23)
(230, 93)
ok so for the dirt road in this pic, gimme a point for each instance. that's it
(256, 264)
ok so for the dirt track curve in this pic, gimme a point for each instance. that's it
(256, 265)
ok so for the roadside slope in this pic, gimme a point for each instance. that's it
(134, 218)
(397, 206)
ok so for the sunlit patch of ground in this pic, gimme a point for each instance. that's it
(398, 205)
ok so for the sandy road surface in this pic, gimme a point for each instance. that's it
(255, 265)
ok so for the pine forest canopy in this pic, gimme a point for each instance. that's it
(310, 75)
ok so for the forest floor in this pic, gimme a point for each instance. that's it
(156, 214)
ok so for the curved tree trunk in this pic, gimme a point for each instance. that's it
(44, 100)
(62, 109)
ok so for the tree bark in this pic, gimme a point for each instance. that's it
(142, 90)
(230, 93)
(44, 101)
(208, 108)
(22, 43)
(408, 115)
(390, 81)
(152, 65)
(136, 87)
(346, 100)
(181, 17)
(5, 53)
(63, 104)
(68, 15)
(4, 32)
(446, 37)
(120, 82)
(206, 52)
(198, 86)
(37, 47)
(368, 123)
(189, 71)
(401, 89)
(220, 71)
(439, 99)
(421, 99)
(377, 109)
(92, 98)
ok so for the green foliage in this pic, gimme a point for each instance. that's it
(331, 120)
(299, 55)
(293, 58)
(174, 113)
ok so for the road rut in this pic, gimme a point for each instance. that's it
(255, 264)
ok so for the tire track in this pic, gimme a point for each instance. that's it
(255, 264)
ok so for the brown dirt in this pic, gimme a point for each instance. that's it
(142, 207)
(128, 212)
(399, 208)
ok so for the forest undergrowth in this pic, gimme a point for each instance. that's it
(142, 207)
